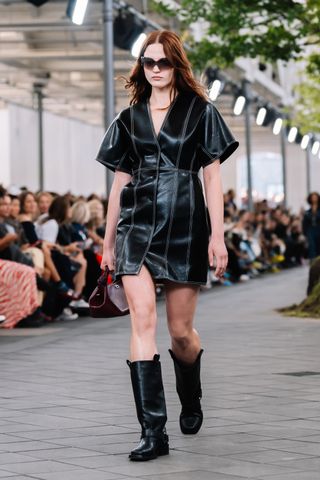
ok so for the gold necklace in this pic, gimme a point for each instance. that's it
(160, 108)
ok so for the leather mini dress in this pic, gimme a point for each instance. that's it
(163, 221)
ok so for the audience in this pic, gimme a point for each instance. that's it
(54, 243)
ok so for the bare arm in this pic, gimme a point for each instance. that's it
(7, 240)
(214, 196)
(120, 180)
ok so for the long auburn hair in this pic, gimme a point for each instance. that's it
(183, 79)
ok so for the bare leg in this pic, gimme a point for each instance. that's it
(181, 301)
(186, 353)
(49, 263)
(140, 292)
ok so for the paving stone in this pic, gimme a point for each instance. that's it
(67, 412)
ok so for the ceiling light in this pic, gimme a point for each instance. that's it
(261, 116)
(215, 89)
(293, 132)
(136, 47)
(277, 126)
(127, 28)
(305, 142)
(76, 10)
(239, 105)
(315, 147)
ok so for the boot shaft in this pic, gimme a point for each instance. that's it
(188, 383)
(147, 385)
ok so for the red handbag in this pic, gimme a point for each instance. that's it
(108, 300)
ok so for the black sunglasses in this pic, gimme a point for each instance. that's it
(150, 63)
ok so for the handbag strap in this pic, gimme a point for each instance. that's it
(102, 280)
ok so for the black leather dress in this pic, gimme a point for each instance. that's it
(163, 221)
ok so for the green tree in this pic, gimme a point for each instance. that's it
(268, 29)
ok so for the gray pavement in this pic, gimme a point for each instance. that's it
(67, 411)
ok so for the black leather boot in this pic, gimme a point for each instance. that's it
(151, 409)
(188, 386)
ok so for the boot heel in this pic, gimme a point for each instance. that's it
(163, 450)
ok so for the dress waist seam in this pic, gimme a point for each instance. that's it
(164, 169)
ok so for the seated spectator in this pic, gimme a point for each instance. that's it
(44, 200)
(80, 215)
(69, 258)
(96, 223)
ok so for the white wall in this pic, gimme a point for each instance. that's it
(4, 148)
(70, 148)
(263, 140)
(69, 151)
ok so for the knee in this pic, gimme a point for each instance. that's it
(143, 317)
(181, 336)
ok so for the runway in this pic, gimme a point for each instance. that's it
(67, 411)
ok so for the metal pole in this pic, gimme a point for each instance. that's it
(284, 165)
(308, 169)
(247, 113)
(108, 73)
(38, 92)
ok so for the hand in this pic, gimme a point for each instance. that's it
(218, 250)
(108, 259)
(12, 237)
(73, 248)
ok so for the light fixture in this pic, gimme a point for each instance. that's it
(136, 47)
(293, 132)
(315, 147)
(239, 105)
(76, 10)
(127, 28)
(305, 142)
(215, 89)
(277, 126)
(37, 3)
(262, 113)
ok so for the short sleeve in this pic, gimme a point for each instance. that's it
(115, 148)
(216, 140)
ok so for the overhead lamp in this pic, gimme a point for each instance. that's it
(293, 132)
(239, 105)
(127, 28)
(215, 89)
(215, 81)
(37, 3)
(305, 141)
(315, 147)
(76, 10)
(277, 126)
(136, 47)
(262, 113)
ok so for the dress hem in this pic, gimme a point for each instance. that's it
(190, 282)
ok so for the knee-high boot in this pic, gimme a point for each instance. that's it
(150, 403)
(188, 387)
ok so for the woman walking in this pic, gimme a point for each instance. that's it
(157, 227)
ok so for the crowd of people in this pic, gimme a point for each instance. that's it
(51, 248)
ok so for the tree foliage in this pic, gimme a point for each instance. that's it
(270, 30)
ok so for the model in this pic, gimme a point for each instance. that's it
(157, 228)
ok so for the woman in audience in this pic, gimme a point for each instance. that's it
(44, 200)
(96, 223)
(69, 258)
(80, 215)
